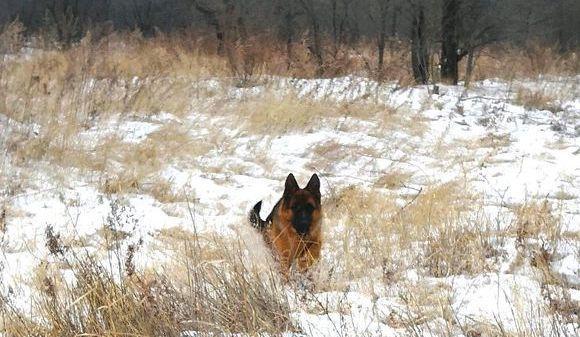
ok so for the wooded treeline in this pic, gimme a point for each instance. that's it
(453, 29)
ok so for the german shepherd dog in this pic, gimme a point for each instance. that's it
(293, 228)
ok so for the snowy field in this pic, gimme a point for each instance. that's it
(440, 158)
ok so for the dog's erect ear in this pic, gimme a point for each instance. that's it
(291, 185)
(314, 185)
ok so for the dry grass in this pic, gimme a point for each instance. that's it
(538, 231)
(327, 154)
(130, 167)
(78, 294)
(448, 218)
(377, 237)
(428, 310)
(163, 191)
(432, 315)
(509, 62)
(453, 251)
(536, 219)
(211, 284)
(119, 184)
(271, 113)
(11, 37)
(451, 203)
(65, 92)
(275, 115)
(369, 236)
(393, 180)
(190, 57)
(494, 141)
(537, 100)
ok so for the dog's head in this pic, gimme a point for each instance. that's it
(302, 204)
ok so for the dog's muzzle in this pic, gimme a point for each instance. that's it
(302, 225)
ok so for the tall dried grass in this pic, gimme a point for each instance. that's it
(507, 62)
(82, 295)
(440, 228)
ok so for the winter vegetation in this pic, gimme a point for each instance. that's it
(136, 136)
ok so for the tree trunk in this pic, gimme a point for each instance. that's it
(289, 32)
(381, 47)
(335, 38)
(394, 30)
(221, 37)
(213, 20)
(381, 40)
(64, 15)
(449, 56)
(469, 67)
(419, 56)
(315, 46)
(394, 20)
(382, 36)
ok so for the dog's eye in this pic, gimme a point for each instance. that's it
(309, 208)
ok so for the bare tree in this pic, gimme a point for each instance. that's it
(419, 50)
(449, 44)
(64, 18)
(462, 28)
(476, 29)
(379, 18)
(340, 11)
(395, 12)
(288, 14)
(142, 14)
(213, 14)
(315, 45)
(9, 10)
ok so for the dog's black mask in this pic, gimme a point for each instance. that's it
(302, 217)
(302, 202)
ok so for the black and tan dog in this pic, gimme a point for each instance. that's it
(293, 228)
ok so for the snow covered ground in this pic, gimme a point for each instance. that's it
(481, 136)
